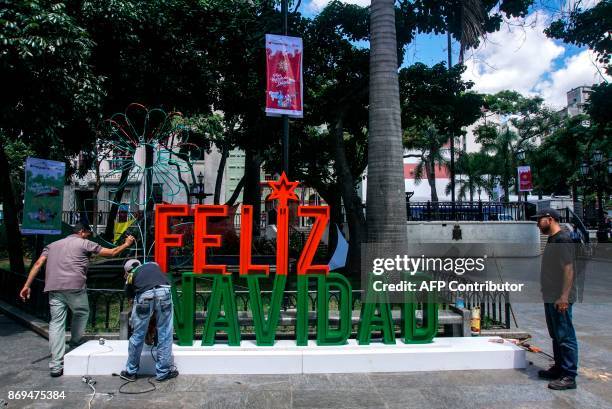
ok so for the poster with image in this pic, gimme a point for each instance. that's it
(284, 89)
(44, 192)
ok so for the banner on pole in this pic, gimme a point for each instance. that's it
(524, 178)
(44, 193)
(284, 90)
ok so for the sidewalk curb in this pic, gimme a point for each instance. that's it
(35, 324)
(42, 327)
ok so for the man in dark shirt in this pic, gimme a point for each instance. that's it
(148, 286)
(559, 293)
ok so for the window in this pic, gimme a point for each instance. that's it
(118, 159)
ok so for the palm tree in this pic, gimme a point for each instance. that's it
(472, 166)
(386, 212)
(426, 139)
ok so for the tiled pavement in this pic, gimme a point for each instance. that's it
(459, 389)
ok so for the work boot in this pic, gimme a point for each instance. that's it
(172, 374)
(551, 373)
(125, 375)
(56, 374)
(565, 382)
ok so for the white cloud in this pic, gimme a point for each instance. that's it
(579, 69)
(523, 59)
(514, 57)
(318, 5)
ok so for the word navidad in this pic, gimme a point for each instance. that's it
(221, 311)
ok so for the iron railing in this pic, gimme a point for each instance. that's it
(468, 211)
(107, 304)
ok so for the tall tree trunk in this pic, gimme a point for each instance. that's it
(352, 202)
(252, 189)
(386, 209)
(220, 171)
(236, 193)
(13, 242)
(96, 192)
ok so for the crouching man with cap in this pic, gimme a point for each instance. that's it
(558, 281)
(149, 288)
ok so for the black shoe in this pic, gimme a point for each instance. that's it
(551, 373)
(127, 376)
(172, 374)
(56, 374)
(563, 383)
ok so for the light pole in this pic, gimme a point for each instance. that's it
(520, 155)
(285, 140)
(197, 189)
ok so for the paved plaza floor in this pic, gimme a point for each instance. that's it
(457, 389)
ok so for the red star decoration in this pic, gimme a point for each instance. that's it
(283, 190)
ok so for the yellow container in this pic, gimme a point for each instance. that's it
(475, 321)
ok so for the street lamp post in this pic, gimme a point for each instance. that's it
(520, 155)
(197, 189)
(601, 171)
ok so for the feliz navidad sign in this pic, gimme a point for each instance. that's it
(222, 314)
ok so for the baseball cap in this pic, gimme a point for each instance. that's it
(131, 264)
(547, 213)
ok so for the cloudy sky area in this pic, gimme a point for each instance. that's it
(518, 57)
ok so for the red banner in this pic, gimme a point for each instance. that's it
(524, 177)
(284, 89)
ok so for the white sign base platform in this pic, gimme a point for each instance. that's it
(444, 354)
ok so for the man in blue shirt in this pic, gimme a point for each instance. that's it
(149, 287)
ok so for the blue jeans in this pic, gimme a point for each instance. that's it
(565, 345)
(160, 301)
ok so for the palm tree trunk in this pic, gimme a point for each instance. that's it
(386, 209)
(430, 171)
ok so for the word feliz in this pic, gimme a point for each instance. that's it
(221, 312)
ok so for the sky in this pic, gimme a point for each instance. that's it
(518, 57)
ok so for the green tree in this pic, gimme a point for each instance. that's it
(51, 99)
(557, 160)
(428, 141)
(472, 167)
(436, 103)
(591, 27)
(526, 122)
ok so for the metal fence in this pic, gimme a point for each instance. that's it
(73, 216)
(107, 304)
(468, 211)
